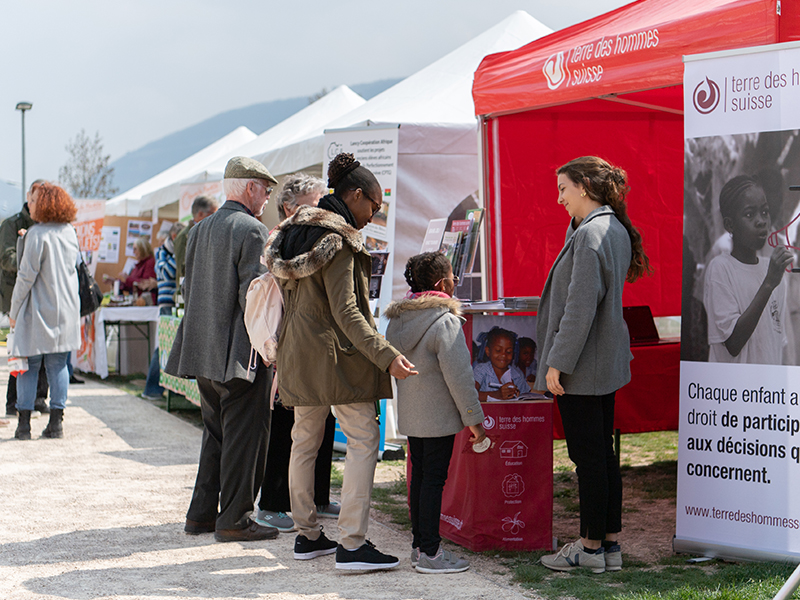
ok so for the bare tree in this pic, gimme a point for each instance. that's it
(320, 94)
(87, 174)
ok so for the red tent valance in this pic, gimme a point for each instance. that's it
(636, 47)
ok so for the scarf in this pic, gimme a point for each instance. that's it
(301, 238)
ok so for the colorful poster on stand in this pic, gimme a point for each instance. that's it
(739, 447)
(89, 226)
(376, 149)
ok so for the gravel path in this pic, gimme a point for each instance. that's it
(99, 514)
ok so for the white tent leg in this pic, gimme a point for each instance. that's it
(790, 586)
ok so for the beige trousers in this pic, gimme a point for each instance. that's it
(358, 423)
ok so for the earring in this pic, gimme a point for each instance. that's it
(583, 194)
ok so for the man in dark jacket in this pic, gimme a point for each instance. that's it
(223, 256)
(202, 207)
(9, 233)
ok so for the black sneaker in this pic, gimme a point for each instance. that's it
(365, 558)
(305, 549)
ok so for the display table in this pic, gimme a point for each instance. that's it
(134, 327)
(503, 497)
(167, 328)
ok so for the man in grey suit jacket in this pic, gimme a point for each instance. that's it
(223, 256)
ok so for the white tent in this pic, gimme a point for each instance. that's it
(437, 164)
(308, 122)
(129, 203)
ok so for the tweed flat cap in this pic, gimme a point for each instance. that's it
(241, 167)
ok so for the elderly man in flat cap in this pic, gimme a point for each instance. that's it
(223, 256)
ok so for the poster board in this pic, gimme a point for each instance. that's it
(739, 432)
(113, 261)
(376, 149)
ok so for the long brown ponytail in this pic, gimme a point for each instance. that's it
(607, 184)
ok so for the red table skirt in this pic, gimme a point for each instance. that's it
(650, 401)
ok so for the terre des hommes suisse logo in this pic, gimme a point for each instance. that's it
(555, 70)
(706, 96)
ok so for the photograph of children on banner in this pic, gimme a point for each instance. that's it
(741, 249)
(504, 356)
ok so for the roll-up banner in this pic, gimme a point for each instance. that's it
(375, 147)
(739, 448)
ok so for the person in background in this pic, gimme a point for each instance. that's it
(223, 257)
(9, 234)
(202, 207)
(45, 306)
(319, 259)
(298, 190)
(437, 404)
(165, 276)
(527, 362)
(142, 277)
(584, 348)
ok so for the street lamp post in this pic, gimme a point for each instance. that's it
(22, 107)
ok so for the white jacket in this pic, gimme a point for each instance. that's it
(45, 303)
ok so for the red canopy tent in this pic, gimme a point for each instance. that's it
(611, 87)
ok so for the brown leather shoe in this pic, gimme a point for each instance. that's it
(252, 533)
(198, 527)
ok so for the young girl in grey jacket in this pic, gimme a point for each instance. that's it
(437, 404)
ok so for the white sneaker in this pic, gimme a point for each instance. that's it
(574, 556)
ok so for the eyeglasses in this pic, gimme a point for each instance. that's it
(377, 205)
(454, 279)
(267, 188)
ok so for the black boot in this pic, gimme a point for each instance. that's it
(40, 404)
(23, 425)
(54, 428)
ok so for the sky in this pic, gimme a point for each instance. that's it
(136, 70)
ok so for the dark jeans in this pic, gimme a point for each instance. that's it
(41, 388)
(589, 430)
(152, 386)
(430, 460)
(236, 421)
(275, 488)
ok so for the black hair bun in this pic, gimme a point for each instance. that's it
(341, 165)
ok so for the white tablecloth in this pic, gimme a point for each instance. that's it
(93, 356)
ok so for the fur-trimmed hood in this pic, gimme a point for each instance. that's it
(410, 320)
(326, 247)
(395, 309)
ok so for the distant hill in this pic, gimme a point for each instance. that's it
(139, 165)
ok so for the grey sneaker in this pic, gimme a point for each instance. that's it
(329, 510)
(614, 558)
(279, 520)
(414, 556)
(442, 562)
(574, 556)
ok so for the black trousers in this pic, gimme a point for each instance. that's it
(236, 422)
(430, 460)
(42, 388)
(589, 430)
(275, 488)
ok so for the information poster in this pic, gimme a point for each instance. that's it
(137, 229)
(108, 251)
(88, 225)
(739, 447)
(376, 149)
(190, 191)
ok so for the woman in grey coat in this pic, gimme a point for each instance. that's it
(585, 350)
(45, 307)
(434, 406)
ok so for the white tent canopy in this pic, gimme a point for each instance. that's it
(309, 121)
(437, 165)
(128, 203)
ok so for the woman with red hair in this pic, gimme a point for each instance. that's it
(45, 307)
